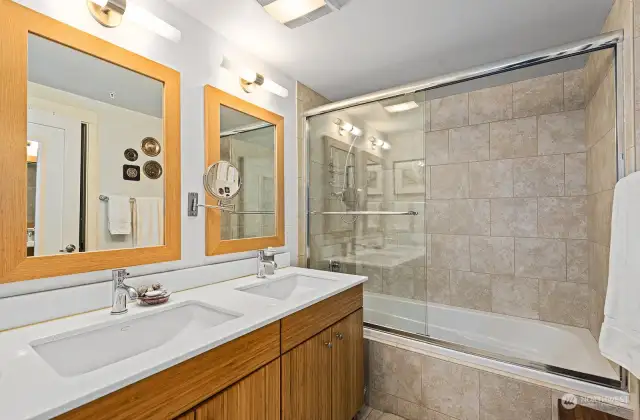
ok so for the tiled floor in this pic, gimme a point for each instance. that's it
(367, 413)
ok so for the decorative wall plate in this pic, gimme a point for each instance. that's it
(131, 172)
(131, 155)
(150, 146)
(152, 169)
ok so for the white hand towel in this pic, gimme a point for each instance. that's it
(148, 222)
(620, 334)
(119, 215)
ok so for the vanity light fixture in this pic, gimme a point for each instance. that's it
(110, 13)
(376, 142)
(250, 80)
(405, 106)
(345, 127)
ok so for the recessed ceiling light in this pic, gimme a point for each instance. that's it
(295, 13)
(405, 106)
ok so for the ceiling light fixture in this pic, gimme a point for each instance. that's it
(249, 79)
(295, 13)
(110, 13)
(405, 106)
(345, 127)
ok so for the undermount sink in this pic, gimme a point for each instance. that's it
(85, 350)
(286, 287)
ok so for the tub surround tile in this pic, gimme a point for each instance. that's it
(375, 277)
(514, 217)
(598, 267)
(491, 104)
(396, 372)
(436, 147)
(538, 176)
(599, 213)
(540, 258)
(561, 133)
(437, 216)
(434, 415)
(389, 416)
(470, 217)
(385, 403)
(602, 160)
(577, 261)
(503, 398)
(438, 286)
(450, 181)
(564, 303)
(514, 138)
(600, 111)
(450, 112)
(493, 255)
(562, 217)
(469, 144)
(542, 95)
(451, 389)
(374, 415)
(515, 296)
(574, 93)
(411, 411)
(471, 290)
(450, 252)
(399, 281)
(575, 174)
(491, 179)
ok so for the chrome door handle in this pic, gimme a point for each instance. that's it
(339, 336)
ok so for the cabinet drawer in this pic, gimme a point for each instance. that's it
(179, 388)
(304, 324)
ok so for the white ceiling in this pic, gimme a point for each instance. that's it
(375, 44)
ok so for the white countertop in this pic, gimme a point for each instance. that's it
(31, 389)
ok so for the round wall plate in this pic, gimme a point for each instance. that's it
(150, 146)
(152, 169)
(131, 155)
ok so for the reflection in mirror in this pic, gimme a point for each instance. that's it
(83, 192)
(248, 143)
(222, 181)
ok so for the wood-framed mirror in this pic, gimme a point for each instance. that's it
(78, 190)
(252, 139)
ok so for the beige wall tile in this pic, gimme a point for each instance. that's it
(411, 411)
(540, 258)
(574, 94)
(514, 138)
(437, 216)
(491, 104)
(494, 255)
(434, 415)
(503, 398)
(562, 217)
(450, 181)
(596, 312)
(577, 261)
(575, 174)
(600, 115)
(514, 217)
(470, 290)
(450, 388)
(436, 145)
(469, 144)
(396, 372)
(438, 286)
(561, 133)
(542, 95)
(491, 179)
(374, 273)
(601, 164)
(598, 267)
(450, 252)
(450, 112)
(599, 213)
(598, 64)
(564, 303)
(515, 296)
(538, 176)
(384, 402)
(470, 217)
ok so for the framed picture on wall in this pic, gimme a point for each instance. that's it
(374, 179)
(408, 177)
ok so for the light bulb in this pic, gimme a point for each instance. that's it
(275, 88)
(147, 19)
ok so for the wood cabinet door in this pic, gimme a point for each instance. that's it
(306, 379)
(347, 367)
(256, 397)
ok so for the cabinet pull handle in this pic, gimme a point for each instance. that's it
(329, 344)
(339, 336)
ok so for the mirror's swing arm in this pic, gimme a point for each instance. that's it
(192, 210)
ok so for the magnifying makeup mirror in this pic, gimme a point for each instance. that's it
(223, 182)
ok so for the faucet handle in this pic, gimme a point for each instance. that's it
(269, 252)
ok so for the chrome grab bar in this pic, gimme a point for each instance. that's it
(366, 213)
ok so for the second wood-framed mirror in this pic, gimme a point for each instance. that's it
(252, 139)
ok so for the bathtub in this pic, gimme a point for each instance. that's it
(506, 337)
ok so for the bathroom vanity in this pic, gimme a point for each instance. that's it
(289, 346)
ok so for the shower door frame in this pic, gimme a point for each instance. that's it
(613, 40)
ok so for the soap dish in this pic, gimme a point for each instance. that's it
(155, 300)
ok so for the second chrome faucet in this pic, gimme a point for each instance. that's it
(266, 263)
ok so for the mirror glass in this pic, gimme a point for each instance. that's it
(222, 181)
(248, 143)
(95, 155)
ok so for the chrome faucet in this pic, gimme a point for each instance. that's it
(266, 263)
(120, 292)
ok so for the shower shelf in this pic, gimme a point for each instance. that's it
(366, 213)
